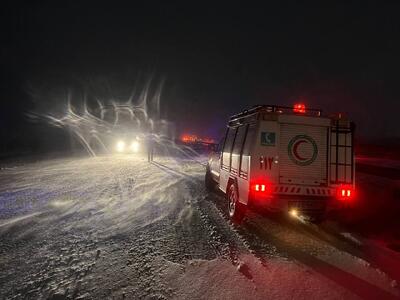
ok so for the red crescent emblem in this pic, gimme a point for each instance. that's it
(295, 153)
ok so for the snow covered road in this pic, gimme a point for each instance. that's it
(120, 227)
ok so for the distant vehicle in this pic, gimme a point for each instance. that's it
(123, 134)
(200, 145)
(289, 159)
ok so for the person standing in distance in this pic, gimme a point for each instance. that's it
(150, 147)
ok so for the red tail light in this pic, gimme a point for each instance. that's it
(345, 193)
(260, 188)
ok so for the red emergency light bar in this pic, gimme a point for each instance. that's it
(299, 108)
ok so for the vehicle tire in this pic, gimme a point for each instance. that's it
(236, 209)
(209, 182)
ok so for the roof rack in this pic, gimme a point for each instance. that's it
(272, 109)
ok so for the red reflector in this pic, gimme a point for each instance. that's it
(299, 108)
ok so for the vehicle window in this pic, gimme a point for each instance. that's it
(229, 139)
(226, 156)
(249, 140)
(220, 145)
(241, 133)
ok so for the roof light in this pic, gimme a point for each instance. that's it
(299, 108)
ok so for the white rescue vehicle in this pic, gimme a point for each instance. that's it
(288, 159)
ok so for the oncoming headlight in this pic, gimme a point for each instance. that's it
(120, 147)
(134, 146)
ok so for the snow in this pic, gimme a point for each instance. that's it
(279, 279)
(120, 227)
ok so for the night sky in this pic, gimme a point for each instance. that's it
(216, 60)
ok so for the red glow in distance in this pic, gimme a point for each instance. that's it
(191, 138)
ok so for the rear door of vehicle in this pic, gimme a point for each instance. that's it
(303, 154)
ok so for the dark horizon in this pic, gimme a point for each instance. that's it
(215, 61)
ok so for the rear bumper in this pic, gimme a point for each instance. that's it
(304, 203)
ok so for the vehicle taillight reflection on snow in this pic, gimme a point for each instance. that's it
(287, 158)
